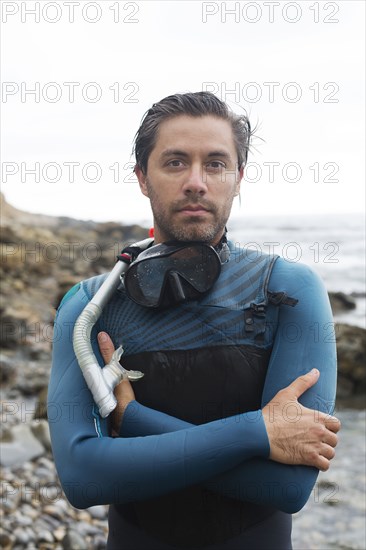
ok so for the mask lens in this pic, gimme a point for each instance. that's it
(179, 274)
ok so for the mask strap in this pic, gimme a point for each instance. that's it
(222, 248)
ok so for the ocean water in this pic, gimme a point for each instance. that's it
(334, 246)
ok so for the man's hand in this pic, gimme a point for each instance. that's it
(123, 392)
(298, 435)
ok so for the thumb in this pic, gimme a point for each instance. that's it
(106, 346)
(303, 383)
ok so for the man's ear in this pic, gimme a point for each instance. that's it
(142, 180)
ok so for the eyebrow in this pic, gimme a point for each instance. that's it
(179, 153)
(222, 154)
(173, 152)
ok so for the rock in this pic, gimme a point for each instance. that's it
(351, 352)
(22, 519)
(358, 294)
(32, 385)
(73, 541)
(9, 496)
(85, 529)
(341, 302)
(22, 536)
(41, 407)
(83, 516)
(59, 533)
(42, 432)
(42, 257)
(13, 326)
(55, 512)
(18, 285)
(46, 463)
(23, 447)
(98, 512)
(7, 370)
(65, 283)
(6, 541)
(63, 507)
(345, 387)
(45, 536)
(52, 522)
(99, 542)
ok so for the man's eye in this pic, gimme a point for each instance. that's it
(216, 165)
(175, 163)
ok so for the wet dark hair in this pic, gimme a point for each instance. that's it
(193, 104)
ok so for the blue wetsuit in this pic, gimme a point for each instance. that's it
(190, 468)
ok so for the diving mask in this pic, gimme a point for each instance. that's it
(172, 272)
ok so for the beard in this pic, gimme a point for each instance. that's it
(207, 228)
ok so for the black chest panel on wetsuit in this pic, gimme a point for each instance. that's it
(198, 386)
(203, 384)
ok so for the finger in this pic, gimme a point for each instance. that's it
(330, 438)
(303, 383)
(333, 424)
(322, 464)
(327, 451)
(330, 422)
(106, 346)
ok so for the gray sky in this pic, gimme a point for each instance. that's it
(297, 68)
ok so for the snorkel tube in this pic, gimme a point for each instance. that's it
(102, 381)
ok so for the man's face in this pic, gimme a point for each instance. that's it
(191, 179)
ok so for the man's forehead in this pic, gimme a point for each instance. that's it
(183, 132)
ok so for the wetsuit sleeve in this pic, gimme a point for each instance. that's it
(97, 469)
(304, 340)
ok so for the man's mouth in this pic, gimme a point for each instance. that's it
(193, 209)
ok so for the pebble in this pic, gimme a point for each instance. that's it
(98, 512)
(8, 492)
(22, 519)
(59, 533)
(73, 541)
(99, 543)
(44, 536)
(7, 371)
(23, 447)
(85, 528)
(42, 432)
(6, 541)
(53, 523)
(54, 511)
(22, 536)
(82, 515)
(28, 511)
(64, 507)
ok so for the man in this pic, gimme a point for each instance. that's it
(214, 450)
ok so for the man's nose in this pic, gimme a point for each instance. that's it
(196, 181)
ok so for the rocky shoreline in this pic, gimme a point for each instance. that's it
(41, 258)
